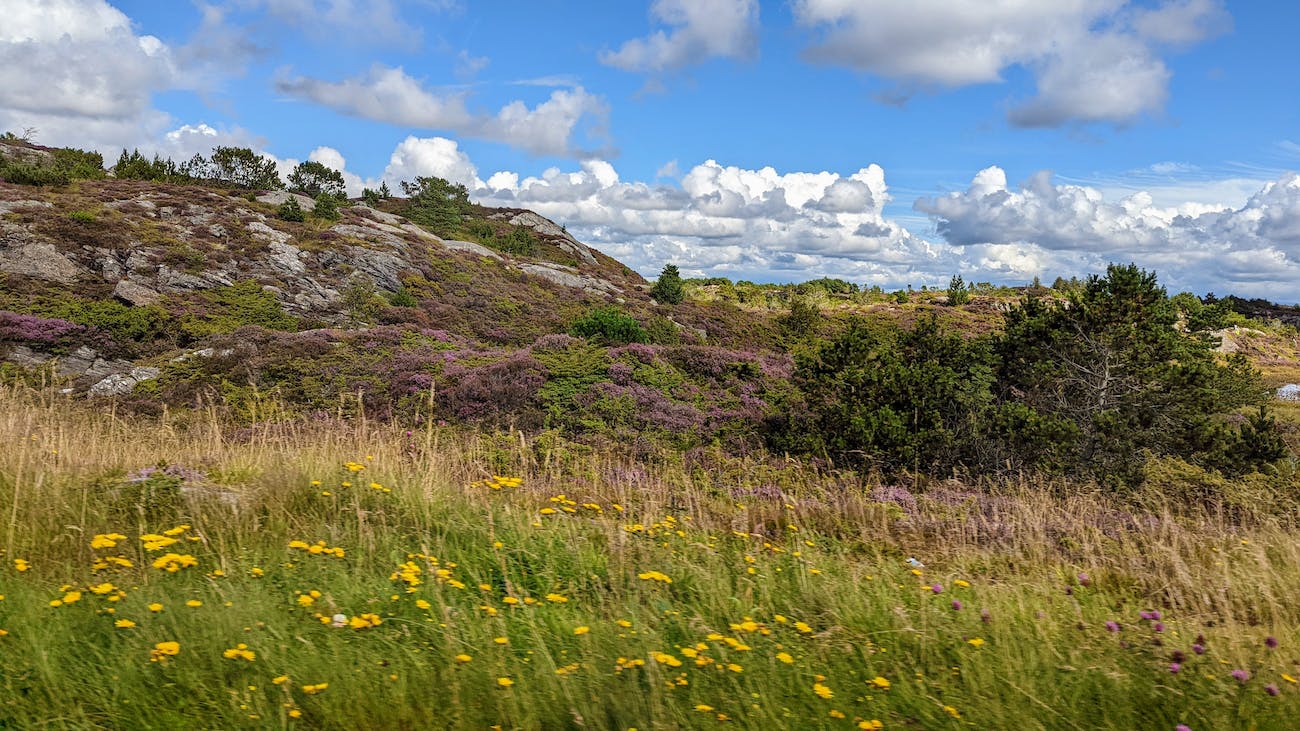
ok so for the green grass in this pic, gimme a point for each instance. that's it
(745, 573)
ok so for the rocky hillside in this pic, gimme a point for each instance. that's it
(186, 260)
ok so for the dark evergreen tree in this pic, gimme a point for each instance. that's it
(668, 289)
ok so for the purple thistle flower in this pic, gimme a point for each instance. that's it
(956, 605)
(1084, 580)
(1199, 649)
(1182, 727)
(1144, 614)
(1178, 656)
(1159, 627)
(985, 617)
(1112, 626)
(1270, 642)
(1271, 689)
(936, 588)
(1175, 667)
(1241, 675)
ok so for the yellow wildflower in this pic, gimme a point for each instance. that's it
(463, 658)
(280, 680)
(505, 682)
(785, 658)
(124, 624)
(976, 642)
(581, 630)
(164, 650)
(880, 682)
(239, 652)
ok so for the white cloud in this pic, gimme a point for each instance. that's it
(1093, 60)
(76, 71)
(728, 220)
(390, 95)
(701, 29)
(1253, 249)
(430, 156)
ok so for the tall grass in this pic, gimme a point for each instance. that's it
(791, 603)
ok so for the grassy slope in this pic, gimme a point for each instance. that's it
(825, 553)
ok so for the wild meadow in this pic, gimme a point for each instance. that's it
(174, 571)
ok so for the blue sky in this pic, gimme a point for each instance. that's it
(882, 142)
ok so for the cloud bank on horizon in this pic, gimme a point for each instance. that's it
(735, 137)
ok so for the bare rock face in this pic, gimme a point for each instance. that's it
(569, 277)
(11, 206)
(547, 227)
(120, 384)
(135, 294)
(277, 197)
(378, 215)
(471, 247)
(21, 253)
(1289, 392)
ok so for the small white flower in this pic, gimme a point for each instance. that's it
(340, 620)
(914, 563)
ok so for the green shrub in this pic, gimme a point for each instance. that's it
(290, 210)
(610, 325)
(82, 216)
(20, 174)
(226, 309)
(327, 207)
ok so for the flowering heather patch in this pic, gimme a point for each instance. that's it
(31, 329)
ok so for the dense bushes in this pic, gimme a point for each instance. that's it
(1088, 386)
(609, 325)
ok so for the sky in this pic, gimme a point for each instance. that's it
(886, 143)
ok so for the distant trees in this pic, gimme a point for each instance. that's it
(436, 203)
(668, 289)
(312, 178)
(958, 293)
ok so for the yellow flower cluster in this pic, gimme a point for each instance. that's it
(319, 548)
(105, 562)
(239, 652)
(654, 576)
(164, 650)
(173, 562)
(497, 482)
(314, 689)
(21, 565)
(106, 540)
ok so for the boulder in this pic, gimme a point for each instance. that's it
(21, 253)
(472, 247)
(120, 384)
(277, 197)
(135, 294)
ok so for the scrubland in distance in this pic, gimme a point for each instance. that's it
(598, 592)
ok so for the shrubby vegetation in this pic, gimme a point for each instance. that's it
(1092, 386)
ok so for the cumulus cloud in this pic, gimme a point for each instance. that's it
(749, 223)
(701, 29)
(430, 156)
(1047, 227)
(76, 71)
(1093, 60)
(390, 95)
